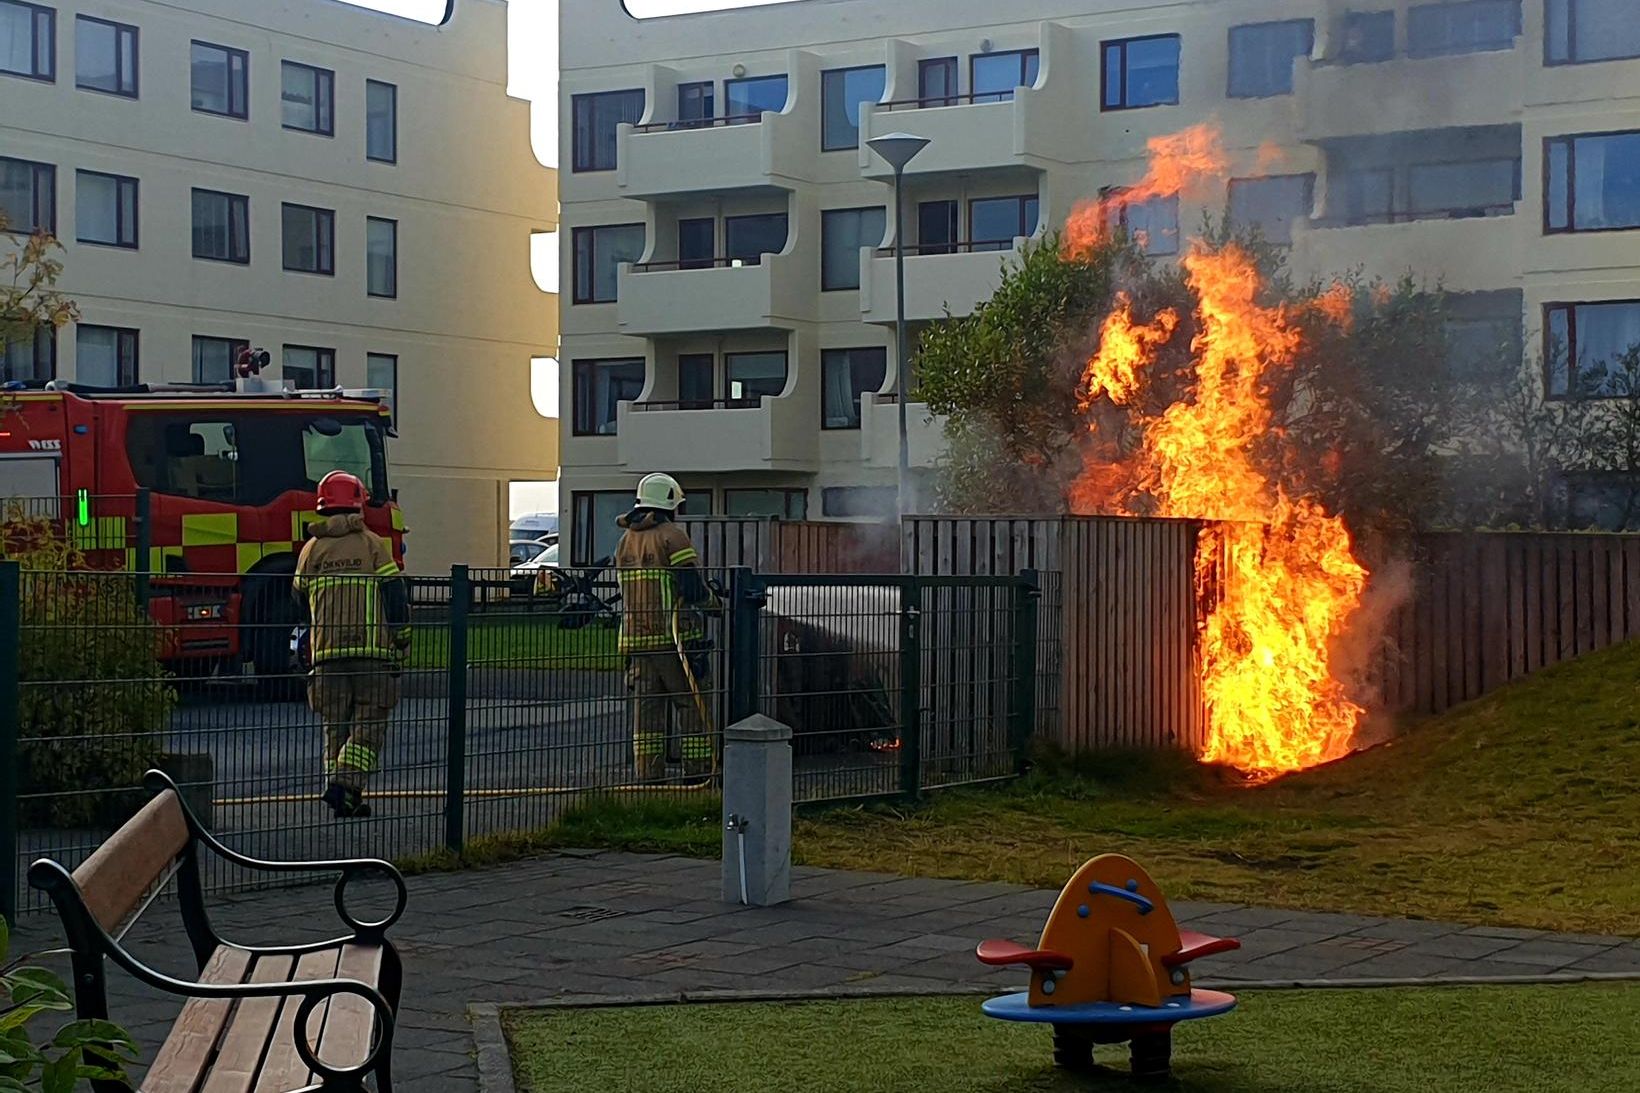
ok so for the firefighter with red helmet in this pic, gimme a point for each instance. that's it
(358, 613)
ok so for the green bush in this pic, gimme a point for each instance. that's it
(79, 1052)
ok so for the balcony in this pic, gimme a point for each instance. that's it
(1464, 253)
(779, 434)
(964, 136)
(746, 153)
(1403, 94)
(880, 433)
(951, 276)
(712, 295)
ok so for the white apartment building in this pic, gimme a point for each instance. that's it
(729, 273)
(352, 191)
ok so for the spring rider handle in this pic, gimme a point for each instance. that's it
(1100, 889)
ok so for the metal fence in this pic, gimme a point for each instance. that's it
(512, 705)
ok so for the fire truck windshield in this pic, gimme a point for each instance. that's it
(249, 457)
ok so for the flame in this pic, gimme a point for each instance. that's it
(1180, 163)
(1277, 572)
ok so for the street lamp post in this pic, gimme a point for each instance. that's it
(898, 149)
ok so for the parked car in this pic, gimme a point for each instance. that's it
(521, 552)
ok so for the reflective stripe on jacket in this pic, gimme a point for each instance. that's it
(651, 561)
(349, 581)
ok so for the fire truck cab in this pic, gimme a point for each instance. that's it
(224, 477)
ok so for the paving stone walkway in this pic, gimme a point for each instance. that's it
(605, 924)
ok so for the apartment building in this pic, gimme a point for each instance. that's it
(730, 256)
(352, 191)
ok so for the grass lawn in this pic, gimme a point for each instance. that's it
(1431, 1040)
(531, 641)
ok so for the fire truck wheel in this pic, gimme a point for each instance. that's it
(270, 618)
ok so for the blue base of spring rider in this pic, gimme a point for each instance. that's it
(1200, 1003)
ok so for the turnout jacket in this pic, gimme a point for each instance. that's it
(351, 591)
(659, 573)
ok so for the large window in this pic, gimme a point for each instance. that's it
(1365, 195)
(381, 121)
(1593, 182)
(28, 40)
(937, 81)
(748, 238)
(309, 368)
(105, 56)
(781, 504)
(1483, 334)
(1262, 55)
(842, 233)
(381, 373)
(222, 226)
(309, 238)
(995, 222)
(750, 376)
(746, 100)
(28, 195)
(845, 94)
(382, 256)
(105, 356)
(105, 209)
(214, 358)
(938, 227)
(1369, 37)
(1140, 72)
(697, 242)
(1272, 204)
(993, 77)
(220, 79)
(26, 355)
(845, 376)
(1473, 188)
(696, 102)
(599, 253)
(695, 381)
(877, 501)
(1580, 31)
(1469, 26)
(596, 118)
(1586, 347)
(1153, 224)
(598, 388)
(306, 98)
(593, 531)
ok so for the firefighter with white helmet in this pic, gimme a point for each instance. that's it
(663, 632)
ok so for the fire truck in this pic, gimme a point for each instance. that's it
(215, 483)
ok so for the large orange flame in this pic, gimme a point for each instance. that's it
(1180, 163)
(1279, 573)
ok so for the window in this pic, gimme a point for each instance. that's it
(596, 119)
(381, 121)
(593, 531)
(214, 358)
(859, 501)
(105, 56)
(1272, 204)
(1367, 195)
(599, 253)
(309, 237)
(995, 222)
(222, 229)
(1593, 182)
(1483, 334)
(697, 244)
(105, 356)
(1580, 31)
(382, 256)
(1476, 188)
(845, 376)
(781, 504)
(307, 368)
(306, 95)
(937, 227)
(598, 388)
(747, 100)
(845, 94)
(220, 80)
(1586, 345)
(1140, 72)
(28, 195)
(1369, 37)
(381, 373)
(695, 381)
(748, 238)
(1152, 224)
(993, 77)
(1262, 55)
(105, 209)
(937, 81)
(750, 376)
(185, 455)
(842, 233)
(26, 356)
(1603, 500)
(1470, 26)
(695, 102)
(28, 40)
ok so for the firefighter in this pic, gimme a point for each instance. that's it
(358, 614)
(662, 596)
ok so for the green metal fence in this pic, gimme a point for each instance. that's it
(513, 705)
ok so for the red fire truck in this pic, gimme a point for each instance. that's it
(217, 483)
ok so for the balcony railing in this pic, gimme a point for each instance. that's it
(699, 123)
(701, 263)
(931, 101)
(967, 247)
(1407, 216)
(748, 403)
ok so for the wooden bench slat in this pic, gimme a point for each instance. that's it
(119, 873)
(348, 1026)
(183, 1057)
(246, 1040)
(283, 1070)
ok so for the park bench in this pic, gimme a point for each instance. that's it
(238, 1029)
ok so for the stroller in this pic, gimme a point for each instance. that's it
(574, 595)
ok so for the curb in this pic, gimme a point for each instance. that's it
(490, 1048)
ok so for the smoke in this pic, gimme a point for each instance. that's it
(1365, 656)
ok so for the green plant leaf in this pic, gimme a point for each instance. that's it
(60, 1075)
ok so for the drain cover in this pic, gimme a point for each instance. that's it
(592, 914)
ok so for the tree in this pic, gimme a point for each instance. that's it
(29, 299)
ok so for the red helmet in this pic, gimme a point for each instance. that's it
(341, 492)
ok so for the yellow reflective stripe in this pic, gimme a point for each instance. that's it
(697, 747)
(299, 522)
(101, 533)
(251, 553)
(398, 518)
(374, 652)
(356, 756)
(389, 570)
(687, 554)
(210, 529)
(647, 744)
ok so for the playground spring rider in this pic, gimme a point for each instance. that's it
(1111, 967)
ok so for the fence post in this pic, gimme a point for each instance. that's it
(11, 617)
(455, 768)
(911, 687)
(748, 592)
(1027, 595)
(145, 543)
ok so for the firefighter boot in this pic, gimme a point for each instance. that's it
(697, 771)
(346, 802)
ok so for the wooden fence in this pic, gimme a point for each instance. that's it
(792, 546)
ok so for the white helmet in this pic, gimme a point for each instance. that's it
(660, 491)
